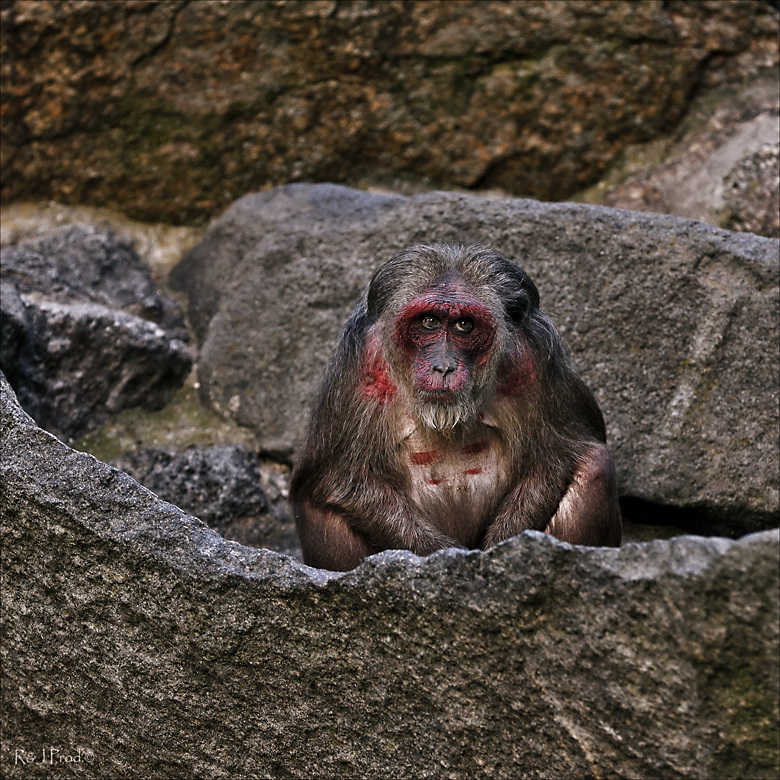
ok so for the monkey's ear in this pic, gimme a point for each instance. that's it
(515, 287)
(387, 279)
(521, 297)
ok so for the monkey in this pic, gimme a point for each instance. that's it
(450, 416)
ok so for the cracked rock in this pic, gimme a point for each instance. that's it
(85, 331)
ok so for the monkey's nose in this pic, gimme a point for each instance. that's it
(439, 368)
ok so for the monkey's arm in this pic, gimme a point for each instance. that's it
(327, 539)
(589, 512)
(338, 537)
(334, 539)
(581, 508)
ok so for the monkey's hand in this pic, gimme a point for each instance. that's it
(337, 538)
(399, 528)
(579, 508)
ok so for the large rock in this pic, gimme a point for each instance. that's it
(222, 486)
(214, 483)
(720, 165)
(672, 322)
(169, 111)
(81, 262)
(85, 332)
(141, 643)
(161, 246)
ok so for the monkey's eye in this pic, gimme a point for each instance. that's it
(463, 326)
(430, 323)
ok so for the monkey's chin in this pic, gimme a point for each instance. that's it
(445, 416)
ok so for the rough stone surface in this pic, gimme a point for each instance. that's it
(752, 195)
(171, 110)
(13, 323)
(161, 246)
(138, 639)
(213, 483)
(84, 263)
(85, 331)
(720, 165)
(221, 485)
(673, 323)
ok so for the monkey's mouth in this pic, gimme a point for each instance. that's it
(439, 396)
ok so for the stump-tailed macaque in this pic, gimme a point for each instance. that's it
(449, 416)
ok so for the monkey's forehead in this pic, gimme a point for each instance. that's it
(445, 295)
(496, 282)
(480, 264)
(449, 298)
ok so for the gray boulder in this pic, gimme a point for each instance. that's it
(672, 322)
(138, 643)
(214, 483)
(221, 485)
(85, 331)
(13, 323)
(81, 262)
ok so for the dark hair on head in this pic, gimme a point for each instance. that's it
(481, 265)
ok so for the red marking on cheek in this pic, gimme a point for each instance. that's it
(424, 458)
(376, 384)
(434, 481)
(475, 449)
(519, 375)
(472, 471)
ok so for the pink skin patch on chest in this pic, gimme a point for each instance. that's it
(424, 458)
(376, 384)
(451, 462)
(457, 480)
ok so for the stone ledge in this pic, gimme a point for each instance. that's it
(142, 642)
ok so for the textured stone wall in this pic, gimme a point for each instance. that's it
(170, 110)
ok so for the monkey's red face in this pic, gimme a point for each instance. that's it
(447, 333)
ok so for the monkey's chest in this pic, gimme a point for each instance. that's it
(457, 481)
